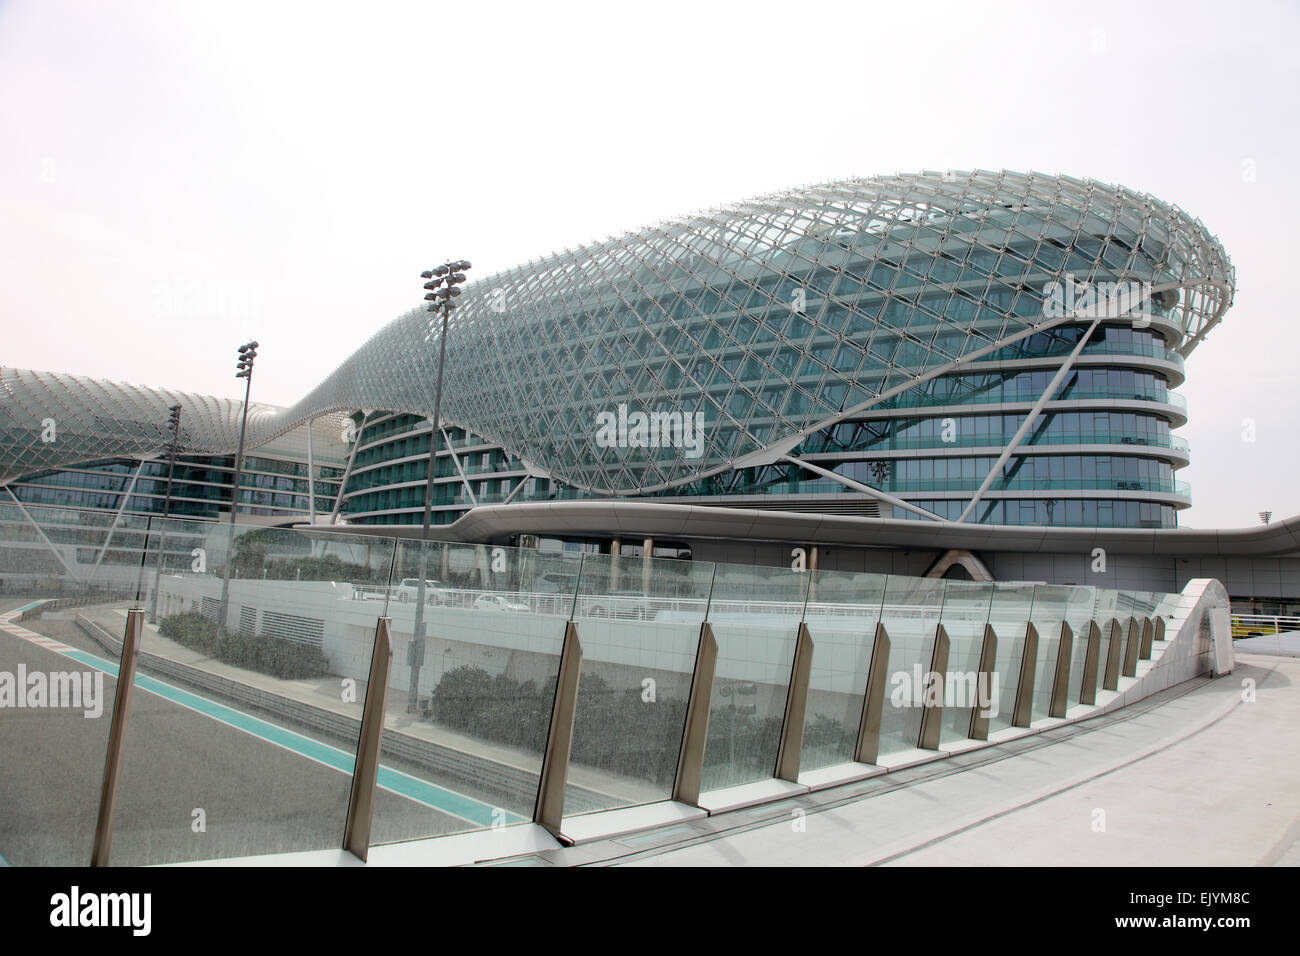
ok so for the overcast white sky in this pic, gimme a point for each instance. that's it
(176, 178)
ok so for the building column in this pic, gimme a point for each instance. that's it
(647, 552)
(311, 482)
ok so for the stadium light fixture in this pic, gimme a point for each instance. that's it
(442, 290)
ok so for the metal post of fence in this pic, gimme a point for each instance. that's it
(867, 748)
(1061, 676)
(117, 737)
(980, 713)
(932, 713)
(1023, 712)
(1148, 638)
(1132, 646)
(690, 759)
(796, 708)
(365, 770)
(549, 810)
(1114, 647)
(1088, 686)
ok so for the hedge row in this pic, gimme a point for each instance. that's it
(267, 655)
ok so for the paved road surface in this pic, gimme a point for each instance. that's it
(262, 788)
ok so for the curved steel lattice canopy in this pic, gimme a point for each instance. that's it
(760, 322)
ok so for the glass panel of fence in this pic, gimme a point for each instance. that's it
(1144, 604)
(56, 685)
(62, 553)
(965, 613)
(755, 614)
(1078, 615)
(469, 703)
(1131, 605)
(1147, 603)
(1050, 608)
(1108, 609)
(1124, 609)
(841, 614)
(911, 615)
(1166, 604)
(639, 622)
(1009, 613)
(244, 725)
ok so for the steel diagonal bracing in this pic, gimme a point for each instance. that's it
(771, 318)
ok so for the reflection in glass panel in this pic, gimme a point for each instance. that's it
(464, 751)
(1079, 615)
(639, 622)
(249, 692)
(1110, 608)
(965, 612)
(755, 614)
(842, 611)
(1051, 607)
(1008, 614)
(51, 757)
(911, 615)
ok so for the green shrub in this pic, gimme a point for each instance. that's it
(329, 568)
(275, 656)
(192, 630)
(614, 729)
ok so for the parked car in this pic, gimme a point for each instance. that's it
(555, 582)
(434, 593)
(495, 602)
(621, 604)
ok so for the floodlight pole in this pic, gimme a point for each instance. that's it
(174, 424)
(247, 353)
(442, 285)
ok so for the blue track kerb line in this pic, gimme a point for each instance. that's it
(413, 788)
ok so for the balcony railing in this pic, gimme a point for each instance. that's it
(965, 439)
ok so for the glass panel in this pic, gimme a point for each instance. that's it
(966, 607)
(639, 622)
(1108, 609)
(1123, 609)
(842, 612)
(1008, 614)
(243, 739)
(1148, 603)
(469, 705)
(54, 728)
(1079, 613)
(1165, 605)
(1051, 607)
(1126, 609)
(755, 614)
(911, 615)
